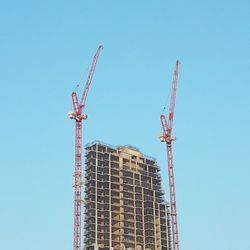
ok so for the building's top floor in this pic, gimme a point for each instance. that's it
(125, 151)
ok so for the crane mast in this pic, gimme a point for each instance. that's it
(168, 138)
(78, 116)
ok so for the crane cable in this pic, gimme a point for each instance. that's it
(167, 102)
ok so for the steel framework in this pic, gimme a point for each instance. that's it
(78, 116)
(169, 138)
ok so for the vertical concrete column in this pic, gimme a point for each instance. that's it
(110, 213)
(96, 210)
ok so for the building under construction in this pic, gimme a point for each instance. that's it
(125, 206)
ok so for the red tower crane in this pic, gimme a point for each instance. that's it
(78, 116)
(168, 138)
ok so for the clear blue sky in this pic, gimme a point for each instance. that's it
(47, 46)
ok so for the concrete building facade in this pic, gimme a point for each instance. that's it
(124, 202)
